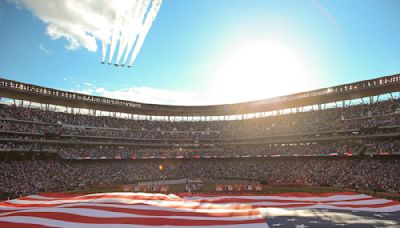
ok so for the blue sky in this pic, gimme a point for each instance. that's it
(215, 51)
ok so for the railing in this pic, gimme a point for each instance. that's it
(24, 87)
(393, 79)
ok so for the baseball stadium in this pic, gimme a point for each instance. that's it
(296, 152)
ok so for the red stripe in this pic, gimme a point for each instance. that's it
(131, 197)
(19, 225)
(392, 203)
(171, 213)
(241, 200)
(59, 194)
(382, 205)
(289, 194)
(4, 211)
(285, 205)
(223, 200)
(136, 220)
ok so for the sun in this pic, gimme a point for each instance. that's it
(259, 70)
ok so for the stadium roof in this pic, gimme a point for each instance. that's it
(44, 95)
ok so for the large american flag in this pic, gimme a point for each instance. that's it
(299, 210)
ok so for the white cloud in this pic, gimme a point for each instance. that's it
(100, 90)
(44, 49)
(87, 91)
(80, 22)
(145, 94)
(83, 22)
(88, 84)
(152, 95)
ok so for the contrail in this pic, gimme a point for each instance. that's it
(137, 25)
(119, 25)
(130, 26)
(114, 40)
(116, 30)
(103, 50)
(127, 26)
(151, 15)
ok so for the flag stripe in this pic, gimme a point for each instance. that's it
(150, 221)
(27, 221)
(183, 210)
(229, 200)
(89, 212)
(373, 203)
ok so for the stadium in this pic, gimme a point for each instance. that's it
(344, 137)
(324, 157)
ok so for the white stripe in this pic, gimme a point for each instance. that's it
(139, 207)
(337, 197)
(147, 207)
(131, 194)
(224, 207)
(362, 202)
(394, 208)
(160, 203)
(7, 208)
(317, 199)
(41, 197)
(166, 203)
(58, 223)
(95, 213)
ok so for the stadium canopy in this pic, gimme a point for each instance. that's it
(356, 90)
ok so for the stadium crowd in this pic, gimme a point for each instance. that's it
(29, 177)
(227, 151)
(33, 129)
(365, 128)
(380, 114)
(269, 150)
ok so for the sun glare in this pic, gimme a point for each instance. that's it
(258, 70)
